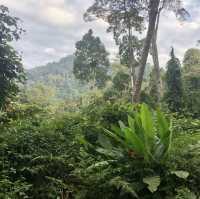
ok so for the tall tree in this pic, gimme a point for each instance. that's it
(174, 90)
(154, 50)
(11, 70)
(153, 7)
(124, 19)
(91, 61)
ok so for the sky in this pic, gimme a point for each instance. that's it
(53, 27)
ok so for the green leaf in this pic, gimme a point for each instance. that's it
(159, 151)
(124, 186)
(147, 120)
(133, 139)
(181, 174)
(99, 165)
(122, 125)
(152, 182)
(131, 122)
(114, 153)
(163, 125)
(138, 127)
(164, 133)
(117, 130)
(115, 137)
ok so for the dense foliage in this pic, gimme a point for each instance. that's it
(174, 91)
(11, 70)
(46, 155)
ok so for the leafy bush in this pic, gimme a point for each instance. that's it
(134, 163)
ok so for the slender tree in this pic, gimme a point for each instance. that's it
(153, 7)
(11, 70)
(174, 90)
(91, 61)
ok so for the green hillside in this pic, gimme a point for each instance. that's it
(58, 75)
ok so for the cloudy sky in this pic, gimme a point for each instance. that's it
(53, 26)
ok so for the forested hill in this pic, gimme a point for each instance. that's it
(57, 75)
(63, 66)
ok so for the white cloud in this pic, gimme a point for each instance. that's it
(179, 35)
(53, 27)
(57, 16)
(50, 51)
(54, 12)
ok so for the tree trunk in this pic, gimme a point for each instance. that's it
(156, 60)
(132, 67)
(131, 57)
(153, 12)
(133, 81)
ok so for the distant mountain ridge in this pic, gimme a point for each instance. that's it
(62, 66)
(58, 75)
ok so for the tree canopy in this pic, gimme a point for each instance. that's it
(191, 80)
(91, 61)
(174, 90)
(11, 70)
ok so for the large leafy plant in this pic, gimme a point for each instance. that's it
(138, 150)
(147, 135)
(134, 162)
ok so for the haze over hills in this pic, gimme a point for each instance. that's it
(58, 75)
(62, 67)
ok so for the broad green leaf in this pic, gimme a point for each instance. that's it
(152, 182)
(147, 120)
(181, 174)
(117, 130)
(133, 139)
(164, 132)
(131, 123)
(138, 127)
(166, 141)
(121, 184)
(163, 124)
(115, 137)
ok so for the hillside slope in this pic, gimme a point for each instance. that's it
(58, 75)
